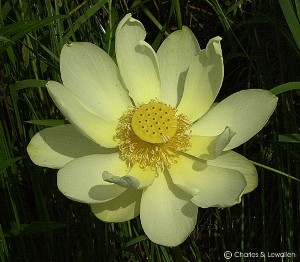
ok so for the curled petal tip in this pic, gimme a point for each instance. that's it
(125, 181)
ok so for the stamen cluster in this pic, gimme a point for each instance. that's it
(136, 148)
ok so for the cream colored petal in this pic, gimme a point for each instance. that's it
(210, 186)
(120, 209)
(233, 160)
(137, 61)
(209, 147)
(245, 113)
(167, 215)
(54, 147)
(136, 178)
(203, 81)
(174, 56)
(81, 179)
(85, 120)
(90, 73)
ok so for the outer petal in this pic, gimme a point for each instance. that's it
(175, 55)
(89, 73)
(81, 179)
(211, 186)
(209, 147)
(54, 147)
(245, 112)
(167, 215)
(123, 208)
(233, 160)
(87, 122)
(137, 61)
(136, 178)
(203, 81)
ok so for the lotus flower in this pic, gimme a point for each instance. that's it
(145, 136)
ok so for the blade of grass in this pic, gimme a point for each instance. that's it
(47, 122)
(82, 19)
(289, 138)
(18, 30)
(178, 14)
(4, 254)
(285, 87)
(276, 171)
(291, 18)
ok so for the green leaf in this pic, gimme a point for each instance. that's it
(5, 39)
(289, 138)
(47, 122)
(5, 164)
(291, 18)
(35, 228)
(276, 171)
(285, 87)
(136, 240)
(19, 29)
(29, 83)
(82, 19)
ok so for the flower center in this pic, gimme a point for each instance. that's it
(152, 135)
(154, 122)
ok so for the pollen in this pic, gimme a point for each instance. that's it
(152, 135)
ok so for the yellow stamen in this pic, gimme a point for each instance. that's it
(152, 135)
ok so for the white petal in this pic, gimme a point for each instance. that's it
(174, 56)
(167, 215)
(120, 209)
(209, 147)
(81, 179)
(88, 123)
(233, 160)
(54, 147)
(89, 73)
(203, 81)
(245, 113)
(210, 186)
(136, 178)
(137, 61)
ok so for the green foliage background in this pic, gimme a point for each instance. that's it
(261, 47)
